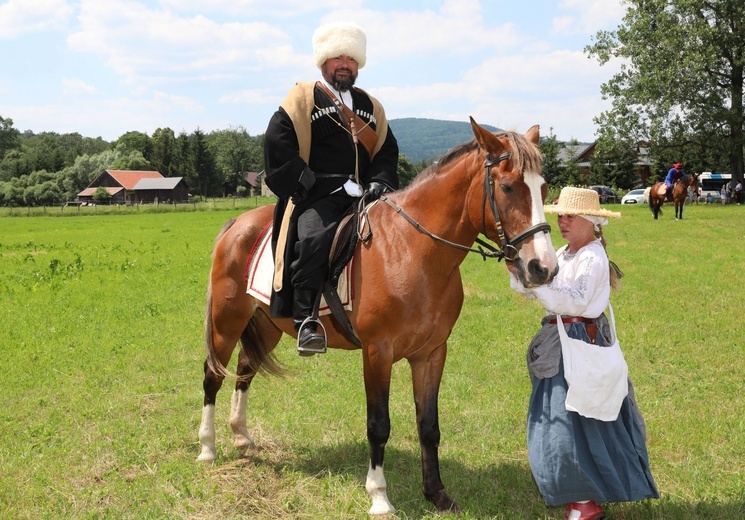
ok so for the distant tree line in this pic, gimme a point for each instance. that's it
(49, 168)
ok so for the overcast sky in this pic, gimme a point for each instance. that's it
(106, 67)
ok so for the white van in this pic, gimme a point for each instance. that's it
(711, 184)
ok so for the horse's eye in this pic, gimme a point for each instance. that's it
(506, 188)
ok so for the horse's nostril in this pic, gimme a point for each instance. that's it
(537, 270)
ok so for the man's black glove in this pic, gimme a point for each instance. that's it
(375, 190)
(305, 183)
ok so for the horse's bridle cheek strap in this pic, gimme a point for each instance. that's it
(509, 246)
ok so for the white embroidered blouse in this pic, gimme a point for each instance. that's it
(581, 287)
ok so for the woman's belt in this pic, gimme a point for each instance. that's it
(590, 325)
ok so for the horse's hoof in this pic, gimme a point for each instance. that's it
(381, 508)
(243, 443)
(207, 455)
(444, 503)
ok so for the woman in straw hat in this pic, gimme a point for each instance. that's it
(591, 448)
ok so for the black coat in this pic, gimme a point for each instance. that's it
(332, 152)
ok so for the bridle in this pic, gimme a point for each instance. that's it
(508, 245)
(507, 248)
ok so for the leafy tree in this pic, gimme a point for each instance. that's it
(182, 157)
(613, 163)
(205, 178)
(569, 174)
(136, 142)
(15, 164)
(101, 196)
(8, 136)
(132, 160)
(406, 171)
(681, 85)
(164, 151)
(13, 192)
(44, 152)
(236, 153)
(550, 148)
(42, 194)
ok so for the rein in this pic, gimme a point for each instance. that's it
(505, 245)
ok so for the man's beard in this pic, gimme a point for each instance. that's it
(342, 84)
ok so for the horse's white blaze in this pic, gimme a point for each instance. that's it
(543, 248)
(375, 487)
(243, 439)
(207, 434)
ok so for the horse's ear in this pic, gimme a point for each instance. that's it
(533, 134)
(485, 138)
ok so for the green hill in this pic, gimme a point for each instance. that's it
(426, 139)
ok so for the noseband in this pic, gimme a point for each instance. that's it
(507, 247)
(509, 250)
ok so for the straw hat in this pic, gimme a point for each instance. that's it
(579, 201)
(337, 39)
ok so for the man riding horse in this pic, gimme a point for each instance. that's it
(325, 144)
(673, 174)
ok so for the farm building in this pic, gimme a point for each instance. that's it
(134, 187)
(583, 155)
(166, 189)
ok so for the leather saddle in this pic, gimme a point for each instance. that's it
(342, 251)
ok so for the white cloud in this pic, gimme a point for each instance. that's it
(283, 8)
(73, 86)
(164, 102)
(144, 64)
(559, 89)
(141, 44)
(588, 16)
(252, 97)
(110, 118)
(457, 28)
(19, 17)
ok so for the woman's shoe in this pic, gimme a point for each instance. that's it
(587, 511)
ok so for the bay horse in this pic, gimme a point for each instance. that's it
(408, 290)
(658, 195)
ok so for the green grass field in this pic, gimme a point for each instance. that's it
(102, 358)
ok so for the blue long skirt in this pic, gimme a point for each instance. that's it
(575, 458)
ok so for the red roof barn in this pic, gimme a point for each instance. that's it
(132, 187)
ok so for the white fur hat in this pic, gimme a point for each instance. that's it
(337, 39)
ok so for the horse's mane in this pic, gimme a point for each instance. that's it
(525, 155)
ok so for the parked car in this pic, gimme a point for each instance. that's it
(634, 197)
(606, 194)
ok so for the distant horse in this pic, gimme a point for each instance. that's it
(407, 286)
(658, 195)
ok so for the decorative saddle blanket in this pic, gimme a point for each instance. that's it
(260, 274)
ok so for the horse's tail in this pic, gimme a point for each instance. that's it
(258, 351)
(654, 207)
(211, 361)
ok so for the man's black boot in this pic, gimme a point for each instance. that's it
(309, 340)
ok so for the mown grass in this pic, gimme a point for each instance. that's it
(102, 368)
